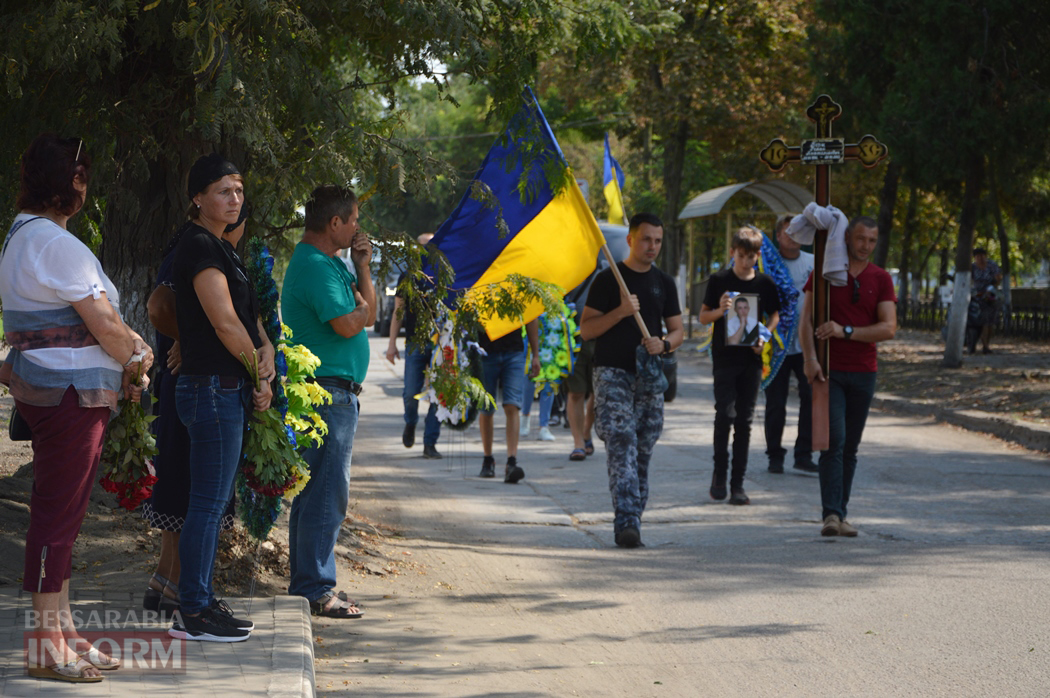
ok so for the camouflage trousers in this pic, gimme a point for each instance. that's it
(629, 419)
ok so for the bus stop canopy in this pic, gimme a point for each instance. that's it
(779, 196)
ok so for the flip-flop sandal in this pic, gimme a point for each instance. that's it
(588, 447)
(73, 672)
(578, 454)
(340, 609)
(92, 654)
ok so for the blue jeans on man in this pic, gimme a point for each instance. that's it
(214, 417)
(849, 398)
(319, 510)
(416, 362)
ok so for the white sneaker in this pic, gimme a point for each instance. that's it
(545, 435)
(526, 425)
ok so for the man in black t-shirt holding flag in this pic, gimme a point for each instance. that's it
(629, 411)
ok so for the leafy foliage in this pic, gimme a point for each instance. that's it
(273, 467)
(294, 92)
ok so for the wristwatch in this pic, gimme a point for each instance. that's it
(667, 347)
(847, 331)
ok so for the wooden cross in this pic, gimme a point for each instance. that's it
(822, 152)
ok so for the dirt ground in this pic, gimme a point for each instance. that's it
(116, 550)
(1012, 380)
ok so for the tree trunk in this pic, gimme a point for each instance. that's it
(674, 163)
(904, 302)
(887, 203)
(953, 349)
(139, 222)
(1004, 251)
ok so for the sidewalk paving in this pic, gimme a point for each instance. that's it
(277, 660)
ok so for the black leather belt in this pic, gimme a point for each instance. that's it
(336, 382)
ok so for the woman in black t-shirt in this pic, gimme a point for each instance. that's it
(218, 322)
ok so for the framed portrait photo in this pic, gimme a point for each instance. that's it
(742, 321)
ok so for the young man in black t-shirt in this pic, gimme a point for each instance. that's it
(629, 412)
(737, 366)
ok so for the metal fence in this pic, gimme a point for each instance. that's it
(1027, 323)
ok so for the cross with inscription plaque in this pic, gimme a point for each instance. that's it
(822, 152)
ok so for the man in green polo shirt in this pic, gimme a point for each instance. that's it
(328, 308)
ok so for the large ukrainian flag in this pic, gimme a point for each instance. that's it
(553, 238)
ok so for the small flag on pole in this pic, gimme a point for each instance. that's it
(614, 181)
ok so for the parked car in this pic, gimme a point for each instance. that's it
(385, 290)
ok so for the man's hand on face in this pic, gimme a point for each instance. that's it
(361, 249)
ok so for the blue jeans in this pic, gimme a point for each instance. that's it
(214, 417)
(849, 397)
(318, 511)
(546, 402)
(504, 371)
(416, 362)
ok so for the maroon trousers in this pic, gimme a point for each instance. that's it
(67, 444)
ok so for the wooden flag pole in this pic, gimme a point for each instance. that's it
(623, 289)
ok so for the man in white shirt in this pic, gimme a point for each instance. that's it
(800, 266)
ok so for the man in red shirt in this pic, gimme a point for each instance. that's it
(863, 312)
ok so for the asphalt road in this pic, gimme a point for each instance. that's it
(519, 590)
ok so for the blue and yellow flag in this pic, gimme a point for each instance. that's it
(553, 238)
(613, 181)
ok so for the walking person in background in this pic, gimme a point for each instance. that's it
(417, 359)
(503, 373)
(800, 265)
(985, 280)
(71, 359)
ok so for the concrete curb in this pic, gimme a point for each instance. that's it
(1027, 434)
(291, 650)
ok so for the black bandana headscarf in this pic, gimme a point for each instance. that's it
(208, 169)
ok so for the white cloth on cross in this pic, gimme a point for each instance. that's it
(804, 227)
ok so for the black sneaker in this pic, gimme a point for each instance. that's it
(738, 496)
(408, 436)
(629, 538)
(776, 465)
(430, 451)
(488, 467)
(222, 610)
(514, 472)
(206, 627)
(718, 487)
(807, 466)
